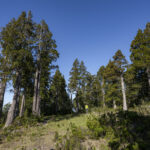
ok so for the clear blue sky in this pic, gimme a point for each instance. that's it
(90, 30)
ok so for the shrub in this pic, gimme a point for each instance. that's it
(126, 130)
(94, 126)
(72, 139)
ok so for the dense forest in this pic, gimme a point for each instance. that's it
(27, 62)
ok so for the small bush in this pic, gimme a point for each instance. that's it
(56, 137)
(72, 139)
(93, 125)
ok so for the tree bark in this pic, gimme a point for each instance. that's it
(38, 111)
(77, 103)
(148, 75)
(124, 94)
(13, 109)
(114, 104)
(2, 92)
(35, 93)
(22, 105)
(17, 104)
(37, 98)
(103, 93)
(71, 97)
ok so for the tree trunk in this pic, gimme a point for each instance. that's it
(124, 94)
(22, 105)
(17, 104)
(35, 93)
(38, 111)
(13, 109)
(2, 92)
(37, 98)
(103, 93)
(114, 104)
(71, 97)
(77, 103)
(148, 75)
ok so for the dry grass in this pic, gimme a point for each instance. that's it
(41, 137)
(101, 144)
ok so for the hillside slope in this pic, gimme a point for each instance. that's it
(42, 135)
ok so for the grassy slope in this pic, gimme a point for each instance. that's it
(42, 135)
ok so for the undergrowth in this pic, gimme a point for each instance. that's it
(126, 130)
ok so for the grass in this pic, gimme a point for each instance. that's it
(41, 135)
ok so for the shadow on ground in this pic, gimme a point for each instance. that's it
(130, 130)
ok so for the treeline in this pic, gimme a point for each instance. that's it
(118, 84)
(28, 56)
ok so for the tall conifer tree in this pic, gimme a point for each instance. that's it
(59, 96)
(15, 49)
(121, 63)
(46, 54)
(140, 57)
(74, 80)
(112, 85)
(100, 76)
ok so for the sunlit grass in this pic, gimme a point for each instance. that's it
(42, 134)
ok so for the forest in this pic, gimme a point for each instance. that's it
(28, 59)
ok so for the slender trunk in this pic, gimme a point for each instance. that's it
(2, 92)
(77, 105)
(35, 92)
(56, 103)
(124, 94)
(56, 106)
(38, 96)
(71, 97)
(22, 105)
(17, 104)
(77, 101)
(103, 93)
(71, 100)
(148, 75)
(114, 104)
(12, 111)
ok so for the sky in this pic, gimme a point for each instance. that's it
(90, 30)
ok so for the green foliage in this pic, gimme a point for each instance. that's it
(56, 137)
(58, 95)
(128, 130)
(120, 61)
(72, 139)
(136, 85)
(6, 109)
(140, 57)
(46, 55)
(94, 126)
(27, 121)
(93, 94)
(101, 79)
(74, 77)
(113, 90)
(28, 47)
(77, 132)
